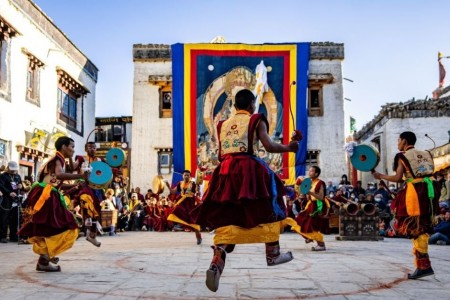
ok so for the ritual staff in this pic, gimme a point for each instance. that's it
(244, 200)
(184, 203)
(416, 204)
(310, 221)
(49, 225)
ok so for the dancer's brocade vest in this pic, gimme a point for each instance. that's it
(234, 134)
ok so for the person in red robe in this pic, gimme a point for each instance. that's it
(185, 203)
(51, 228)
(416, 204)
(311, 220)
(244, 200)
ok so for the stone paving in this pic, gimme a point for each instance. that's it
(169, 265)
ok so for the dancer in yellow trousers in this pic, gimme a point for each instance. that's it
(50, 226)
(415, 205)
(310, 221)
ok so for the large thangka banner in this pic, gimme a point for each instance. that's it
(206, 78)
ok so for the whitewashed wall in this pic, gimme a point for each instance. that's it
(149, 131)
(19, 116)
(327, 133)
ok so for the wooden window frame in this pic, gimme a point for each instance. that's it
(5, 67)
(33, 80)
(66, 117)
(76, 91)
(309, 158)
(315, 111)
(165, 112)
(165, 169)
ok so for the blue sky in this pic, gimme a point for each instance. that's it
(391, 46)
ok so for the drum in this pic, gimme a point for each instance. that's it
(109, 218)
(351, 209)
(365, 158)
(115, 157)
(158, 184)
(101, 175)
(305, 186)
(368, 209)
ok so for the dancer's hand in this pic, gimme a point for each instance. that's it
(296, 135)
(293, 146)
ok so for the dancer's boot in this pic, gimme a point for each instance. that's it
(273, 255)
(216, 268)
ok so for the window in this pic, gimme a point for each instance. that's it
(68, 108)
(165, 105)
(33, 77)
(315, 101)
(70, 101)
(6, 33)
(312, 158)
(376, 141)
(165, 161)
(4, 62)
(117, 133)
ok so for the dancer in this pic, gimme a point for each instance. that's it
(184, 203)
(310, 220)
(244, 201)
(49, 225)
(415, 205)
(89, 198)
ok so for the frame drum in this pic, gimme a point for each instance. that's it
(365, 158)
(305, 186)
(101, 175)
(115, 157)
(158, 184)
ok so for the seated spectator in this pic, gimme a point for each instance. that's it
(330, 188)
(344, 180)
(359, 189)
(371, 188)
(441, 235)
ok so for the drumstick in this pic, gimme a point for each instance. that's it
(296, 134)
(346, 199)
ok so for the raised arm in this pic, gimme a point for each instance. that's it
(270, 145)
(398, 177)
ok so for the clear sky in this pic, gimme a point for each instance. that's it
(391, 46)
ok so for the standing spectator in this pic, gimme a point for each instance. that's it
(119, 186)
(10, 187)
(441, 235)
(136, 213)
